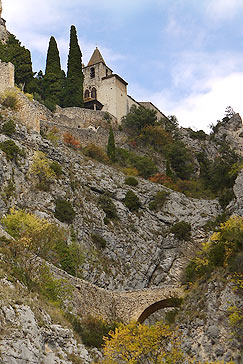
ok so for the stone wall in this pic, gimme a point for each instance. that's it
(6, 76)
(85, 136)
(76, 117)
(30, 112)
(116, 305)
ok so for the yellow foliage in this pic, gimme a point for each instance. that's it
(137, 343)
(40, 169)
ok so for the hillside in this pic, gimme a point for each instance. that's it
(120, 243)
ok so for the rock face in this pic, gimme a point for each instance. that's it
(204, 322)
(29, 336)
(140, 250)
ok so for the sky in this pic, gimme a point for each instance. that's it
(185, 56)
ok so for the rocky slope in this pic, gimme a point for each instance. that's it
(140, 251)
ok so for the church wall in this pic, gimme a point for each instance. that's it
(130, 103)
(121, 99)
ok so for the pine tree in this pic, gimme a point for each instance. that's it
(75, 78)
(111, 149)
(13, 52)
(53, 82)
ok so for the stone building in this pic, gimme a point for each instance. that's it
(106, 90)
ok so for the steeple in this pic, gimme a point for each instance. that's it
(95, 58)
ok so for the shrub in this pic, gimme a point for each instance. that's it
(108, 206)
(138, 118)
(70, 141)
(200, 134)
(132, 201)
(145, 166)
(131, 181)
(223, 250)
(130, 171)
(10, 99)
(8, 128)
(57, 169)
(181, 160)
(158, 200)
(111, 149)
(42, 171)
(64, 211)
(53, 135)
(181, 230)
(99, 241)
(91, 329)
(11, 149)
(96, 153)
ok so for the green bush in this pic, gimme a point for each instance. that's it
(70, 257)
(11, 149)
(108, 206)
(181, 230)
(132, 201)
(91, 329)
(64, 211)
(10, 100)
(158, 200)
(57, 169)
(145, 166)
(200, 134)
(131, 181)
(95, 152)
(99, 241)
(8, 128)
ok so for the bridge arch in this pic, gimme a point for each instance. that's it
(156, 306)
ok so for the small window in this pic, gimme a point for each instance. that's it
(92, 72)
(86, 94)
(93, 93)
(106, 72)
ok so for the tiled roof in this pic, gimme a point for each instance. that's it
(96, 58)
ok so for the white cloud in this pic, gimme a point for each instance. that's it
(200, 109)
(203, 85)
(223, 9)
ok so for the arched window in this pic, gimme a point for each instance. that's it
(92, 72)
(86, 94)
(94, 93)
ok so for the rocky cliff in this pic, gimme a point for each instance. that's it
(139, 250)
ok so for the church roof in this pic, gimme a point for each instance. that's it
(96, 58)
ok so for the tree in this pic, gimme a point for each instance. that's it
(111, 149)
(137, 343)
(138, 118)
(75, 78)
(42, 171)
(13, 52)
(53, 82)
(229, 112)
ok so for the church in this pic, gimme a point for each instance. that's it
(107, 91)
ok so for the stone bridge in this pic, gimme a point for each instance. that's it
(119, 305)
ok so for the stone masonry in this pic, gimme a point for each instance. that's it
(134, 305)
(6, 76)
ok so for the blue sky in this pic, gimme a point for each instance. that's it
(186, 56)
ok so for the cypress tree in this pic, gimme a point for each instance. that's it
(111, 149)
(75, 78)
(53, 81)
